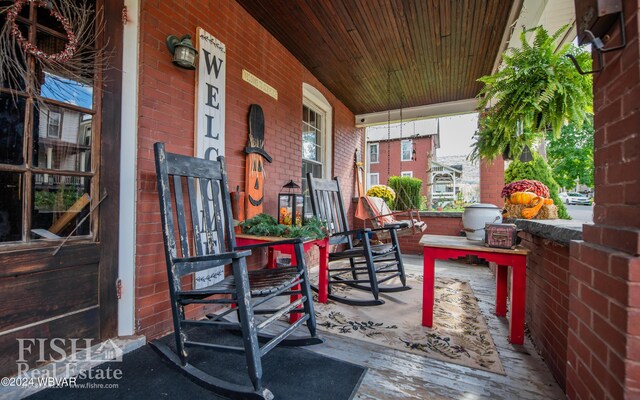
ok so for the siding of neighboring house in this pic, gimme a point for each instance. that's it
(166, 110)
(425, 150)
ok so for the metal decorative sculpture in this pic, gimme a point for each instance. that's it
(254, 181)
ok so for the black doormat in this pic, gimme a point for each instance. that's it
(289, 372)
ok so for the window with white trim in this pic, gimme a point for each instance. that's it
(406, 148)
(407, 174)
(374, 153)
(53, 124)
(374, 179)
(316, 138)
(312, 142)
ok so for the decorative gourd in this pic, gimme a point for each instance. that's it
(531, 212)
(529, 199)
(522, 198)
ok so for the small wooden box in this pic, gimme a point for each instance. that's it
(504, 236)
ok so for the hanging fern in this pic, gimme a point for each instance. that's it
(537, 89)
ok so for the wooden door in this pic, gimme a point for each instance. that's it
(59, 156)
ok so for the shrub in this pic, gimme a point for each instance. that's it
(407, 190)
(539, 170)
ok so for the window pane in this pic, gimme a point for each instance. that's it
(406, 150)
(68, 91)
(374, 179)
(11, 129)
(59, 203)
(10, 207)
(312, 158)
(309, 147)
(44, 18)
(62, 140)
(316, 171)
(373, 153)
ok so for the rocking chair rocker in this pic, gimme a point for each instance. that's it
(368, 265)
(198, 235)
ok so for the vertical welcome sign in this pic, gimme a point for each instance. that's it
(209, 133)
(210, 97)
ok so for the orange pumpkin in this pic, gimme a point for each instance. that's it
(522, 198)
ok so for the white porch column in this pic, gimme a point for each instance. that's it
(128, 155)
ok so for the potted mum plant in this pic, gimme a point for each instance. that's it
(384, 192)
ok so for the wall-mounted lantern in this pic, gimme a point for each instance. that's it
(594, 18)
(184, 54)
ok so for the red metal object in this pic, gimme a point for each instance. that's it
(517, 262)
(244, 240)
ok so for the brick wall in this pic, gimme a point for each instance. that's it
(492, 181)
(604, 305)
(449, 226)
(547, 309)
(166, 110)
(390, 154)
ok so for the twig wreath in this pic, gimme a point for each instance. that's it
(69, 48)
(79, 59)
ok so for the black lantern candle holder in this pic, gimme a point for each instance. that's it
(290, 205)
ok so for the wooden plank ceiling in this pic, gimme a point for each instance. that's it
(424, 51)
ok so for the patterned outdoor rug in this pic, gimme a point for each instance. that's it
(460, 334)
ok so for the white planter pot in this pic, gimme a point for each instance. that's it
(476, 216)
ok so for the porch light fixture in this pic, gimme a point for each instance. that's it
(594, 18)
(290, 205)
(184, 54)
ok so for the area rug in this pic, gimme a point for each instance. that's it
(291, 373)
(460, 334)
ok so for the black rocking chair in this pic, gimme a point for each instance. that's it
(198, 235)
(369, 265)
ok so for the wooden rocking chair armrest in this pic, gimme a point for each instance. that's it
(213, 257)
(388, 227)
(269, 244)
(352, 232)
(396, 225)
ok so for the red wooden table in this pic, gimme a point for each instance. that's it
(437, 247)
(244, 240)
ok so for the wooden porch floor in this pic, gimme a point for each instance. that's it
(395, 374)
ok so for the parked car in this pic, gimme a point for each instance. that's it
(575, 198)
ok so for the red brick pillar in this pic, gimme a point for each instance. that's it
(603, 357)
(491, 181)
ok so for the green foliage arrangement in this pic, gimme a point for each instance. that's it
(538, 170)
(571, 156)
(537, 89)
(384, 192)
(59, 200)
(266, 225)
(407, 190)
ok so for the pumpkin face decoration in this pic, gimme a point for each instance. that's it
(254, 179)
